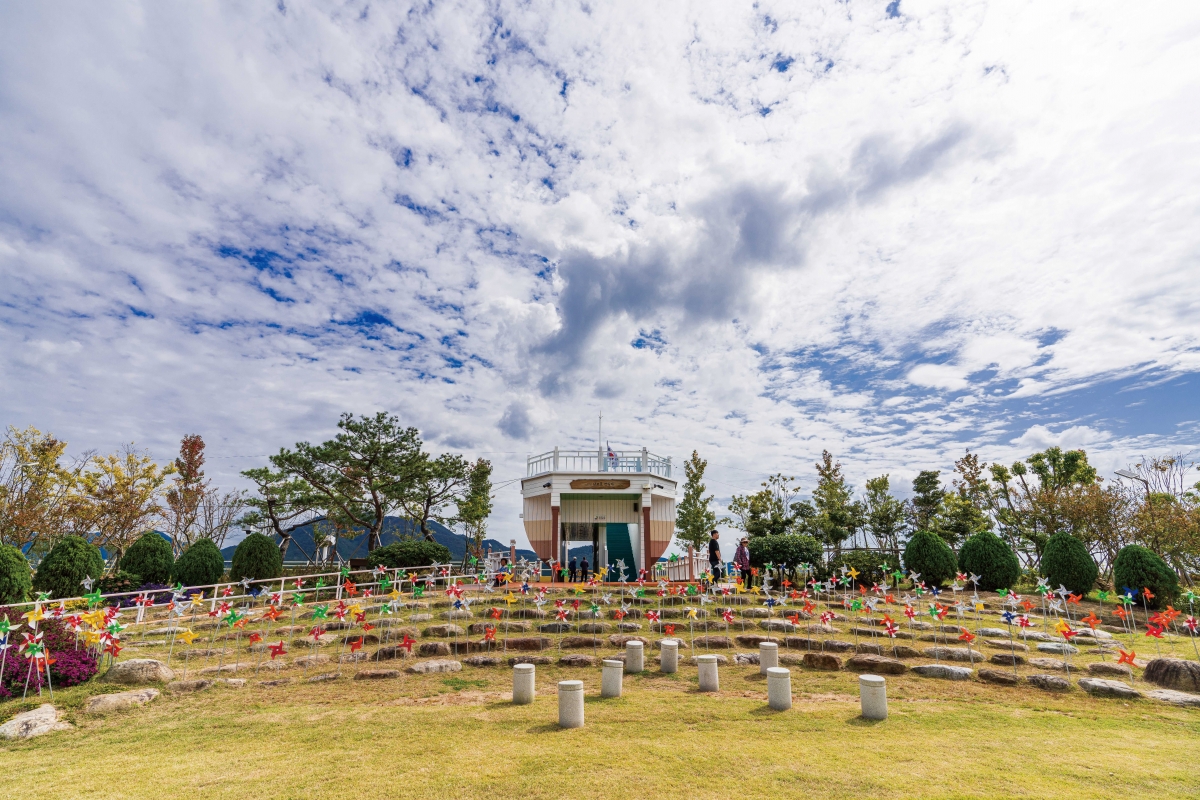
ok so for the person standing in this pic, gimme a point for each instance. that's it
(741, 560)
(714, 555)
(572, 570)
(583, 570)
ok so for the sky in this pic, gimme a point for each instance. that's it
(893, 230)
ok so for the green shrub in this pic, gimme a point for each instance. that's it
(985, 554)
(409, 553)
(928, 555)
(62, 571)
(1138, 569)
(791, 549)
(872, 565)
(256, 558)
(1067, 562)
(14, 575)
(120, 581)
(199, 565)
(151, 557)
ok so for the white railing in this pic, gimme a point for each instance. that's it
(681, 569)
(638, 461)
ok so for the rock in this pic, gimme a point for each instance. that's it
(445, 631)
(921, 626)
(944, 671)
(791, 659)
(1174, 673)
(1106, 688)
(819, 629)
(328, 676)
(932, 637)
(619, 640)
(711, 641)
(593, 627)
(873, 633)
(754, 639)
(1175, 698)
(376, 674)
(1007, 659)
(745, 658)
(755, 613)
(1099, 634)
(389, 652)
(1047, 663)
(183, 687)
(528, 613)
(433, 649)
(721, 659)
(955, 629)
(353, 658)
(539, 660)
(778, 625)
(822, 661)
(483, 661)
(459, 613)
(1038, 636)
(901, 651)
(999, 633)
(556, 627)
(221, 669)
(161, 632)
(1113, 670)
(996, 676)
(367, 638)
(421, 618)
(42, 719)
(578, 660)
(954, 654)
(311, 661)
(1004, 644)
(232, 683)
(137, 671)
(878, 665)
(276, 682)
(438, 665)
(872, 649)
(320, 641)
(527, 643)
(628, 627)
(479, 628)
(581, 641)
(1059, 648)
(1050, 683)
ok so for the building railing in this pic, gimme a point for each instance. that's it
(557, 460)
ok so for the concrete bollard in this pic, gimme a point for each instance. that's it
(610, 678)
(523, 684)
(570, 704)
(768, 656)
(872, 692)
(779, 688)
(635, 657)
(709, 680)
(670, 655)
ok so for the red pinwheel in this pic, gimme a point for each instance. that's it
(368, 626)
(113, 648)
(961, 577)
(727, 615)
(223, 608)
(559, 603)
(1154, 630)
(408, 643)
(891, 628)
(360, 616)
(1091, 620)
(489, 634)
(862, 589)
(1074, 598)
(271, 614)
(618, 614)
(793, 618)
(227, 591)
(966, 636)
(316, 633)
(1120, 612)
(1149, 595)
(653, 616)
(496, 613)
(910, 612)
(1024, 621)
(1127, 658)
(1171, 614)
(889, 599)
(562, 614)
(941, 610)
(1067, 633)
(809, 607)
(669, 630)
(356, 645)
(255, 637)
(826, 617)
(367, 593)
(1028, 605)
(277, 650)
(575, 604)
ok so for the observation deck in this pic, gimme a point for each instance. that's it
(630, 461)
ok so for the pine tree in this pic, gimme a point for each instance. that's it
(694, 519)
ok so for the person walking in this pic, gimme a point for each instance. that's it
(741, 560)
(583, 570)
(572, 570)
(714, 556)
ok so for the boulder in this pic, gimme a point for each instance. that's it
(711, 641)
(872, 649)
(389, 652)
(721, 659)
(578, 660)
(376, 674)
(1102, 687)
(275, 682)
(619, 639)
(459, 613)
(998, 633)
(954, 654)
(921, 626)
(1038, 636)
(755, 613)
(1174, 673)
(483, 661)
(1059, 648)
(1050, 683)
(138, 671)
(1047, 663)
(527, 643)
(1007, 659)
(581, 641)
(556, 627)
(421, 618)
(901, 651)
(445, 631)
(745, 658)
(433, 649)
(367, 638)
(528, 613)
(504, 626)
(754, 639)
(1110, 669)
(944, 671)
(777, 625)
(539, 660)
(878, 665)
(311, 661)
(822, 661)
(996, 676)
(873, 633)
(42, 719)
(593, 627)
(221, 669)
(437, 665)
(819, 629)
(320, 641)
(1175, 698)
(184, 687)
(328, 676)
(787, 659)
(1004, 644)
(628, 627)
(353, 658)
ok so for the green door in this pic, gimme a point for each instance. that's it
(620, 547)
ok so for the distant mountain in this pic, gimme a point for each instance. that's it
(394, 529)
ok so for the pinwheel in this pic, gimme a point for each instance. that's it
(891, 629)
(618, 614)
(227, 591)
(1126, 658)
(495, 613)
(356, 644)
(563, 613)
(1154, 631)
(1191, 624)
(316, 633)
(727, 615)
(966, 636)
(653, 616)
(489, 633)
(1091, 620)
(187, 636)
(669, 629)
(407, 643)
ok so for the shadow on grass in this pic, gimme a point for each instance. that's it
(549, 727)
(858, 721)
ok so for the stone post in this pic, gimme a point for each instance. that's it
(670, 655)
(779, 688)
(768, 657)
(709, 681)
(523, 684)
(570, 704)
(872, 691)
(635, 656)
(610, 678)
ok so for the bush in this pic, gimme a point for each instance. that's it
(985, 554)
(256, 558)
(71, 665)
(870, 564)
(928, 555)
(151, 557)
(199, 565)
(1067, 562)
(120, 581)
(14, 575)
(1138, 568)
(791, 549)
(408, 553)
(62, 571)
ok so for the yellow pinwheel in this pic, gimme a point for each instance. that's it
(35, 615)
(691, 613)
(510, 598)
(852, 572)
(394, 594)
(187, 637)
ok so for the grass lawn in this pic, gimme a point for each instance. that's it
(458, 737)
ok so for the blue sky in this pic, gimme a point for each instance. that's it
(892, 230)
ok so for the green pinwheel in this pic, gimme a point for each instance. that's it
(385, 584)
(93, 598)
(321, 612)
(42, 597)
(233, 617)
(298, 599)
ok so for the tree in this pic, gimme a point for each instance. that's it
(1165, 513)
(199, 565)
(120, 496)
(14, 577)
(219, 512)
(151, 557)
(186, 493)
(62, 572)
(475, 505)
(361, 475)
(985, 554)
(884, 514)
(282, 505)
(435, 485)
(838, 516)
(928, 555)
(256, 558)
(964, 510)
(36, 489)
(927, 500)
(1067, 562)
(767, 512)
(694, 518)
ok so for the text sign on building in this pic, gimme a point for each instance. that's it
(599, 484)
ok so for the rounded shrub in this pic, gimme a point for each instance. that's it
(200, 564)
(928, 555)
(985, 554)
(14, 575)
(151, 557)
(256, 558)
(791, 549)
(118, 583)
(872, 566)
(1067, 562)
(408, 553)
(1138, 568)
(62, 571)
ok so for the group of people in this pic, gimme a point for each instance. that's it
(741, 558)
(578, 571)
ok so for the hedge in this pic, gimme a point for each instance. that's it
(791, 549)
(1067, 562)
(199, 565)
(985, 554)
(928, 555)
(62, 571)
(1137, 569)
(256, 558)
(151, 557)
(872, 566)
(409, 553)
(15, 583)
